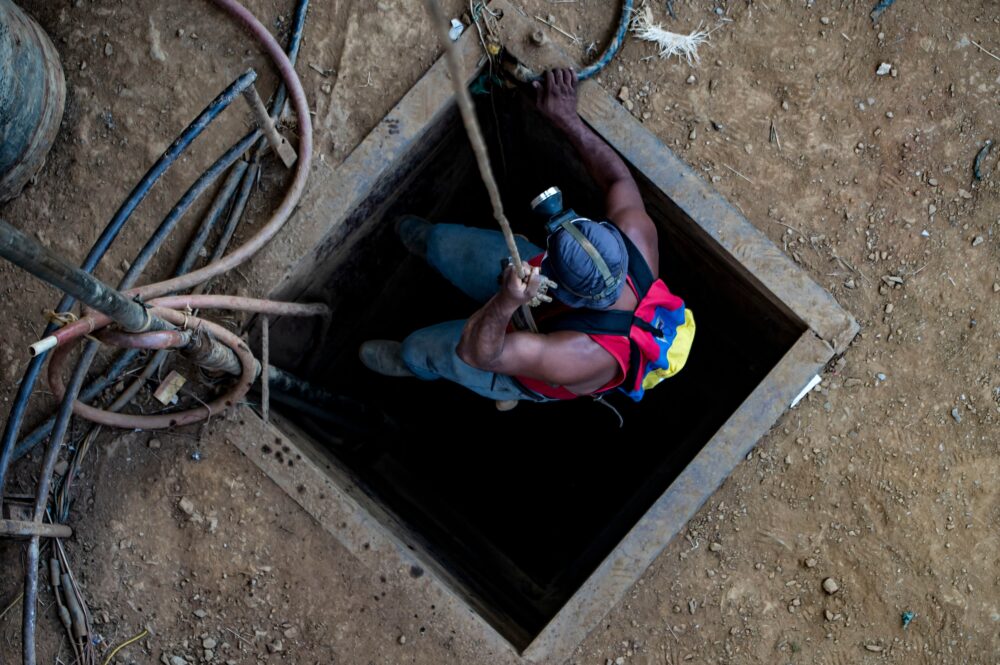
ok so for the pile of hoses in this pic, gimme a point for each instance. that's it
(175, 311)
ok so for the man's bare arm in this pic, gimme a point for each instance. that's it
(559, 359)
(556, 100)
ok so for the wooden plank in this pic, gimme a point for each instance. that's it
(682, 499)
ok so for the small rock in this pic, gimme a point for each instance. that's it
(996, 287)
(873, 647)
(890, 115)
(715, 547)
(889, 308)
(691, 79)
(154, 443)
(623, 94)
(693, 135)
(208, 654)
(208, 643)
(275, 647)
(850, 284)
(830, 616)
(931, 209)
(830, 586)
(402, 639)
(186, 506)
(825, 20)
(884, 69)
(784, 105)
(62, 466)
(177, 660)
(962, 193)
(109, 50)
(977, 241)
(201, 614)
(620, 660)
(956, 414)
(933, 182)
(292, 633)
(717, 126)
(327, 88)
(881, 377)
(810, 562)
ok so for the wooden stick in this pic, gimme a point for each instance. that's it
(992, 55)
(265, 361)
(568, 35)
(263, 119)
(738, 173)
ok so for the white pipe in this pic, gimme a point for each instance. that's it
(43, 345)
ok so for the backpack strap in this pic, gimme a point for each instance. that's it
(638, 269)
(591, 322)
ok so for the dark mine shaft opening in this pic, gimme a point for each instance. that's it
(516, 509)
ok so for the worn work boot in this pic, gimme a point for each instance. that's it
(413, 232)
(385, 357)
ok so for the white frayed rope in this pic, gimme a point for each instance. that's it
(670, 43)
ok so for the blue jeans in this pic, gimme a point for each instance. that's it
(470, 259)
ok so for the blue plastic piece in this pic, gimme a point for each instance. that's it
(881, 7)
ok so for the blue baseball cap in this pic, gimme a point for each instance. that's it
(588, 261)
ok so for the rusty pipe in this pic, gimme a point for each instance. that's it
(157, 339)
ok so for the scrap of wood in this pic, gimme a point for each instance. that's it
(992, 55)
(574, 38)
(167, 390)
(738, 173)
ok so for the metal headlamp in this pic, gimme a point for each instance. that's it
(549, 206)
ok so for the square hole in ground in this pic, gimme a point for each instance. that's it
(518, 508)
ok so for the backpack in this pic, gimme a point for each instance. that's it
(660, 330)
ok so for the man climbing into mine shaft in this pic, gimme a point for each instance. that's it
(614, 323)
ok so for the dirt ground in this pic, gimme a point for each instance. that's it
(885, 479)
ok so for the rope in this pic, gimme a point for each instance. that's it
(475, 133)
(473, 130)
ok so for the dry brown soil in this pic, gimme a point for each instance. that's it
(871, 481)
